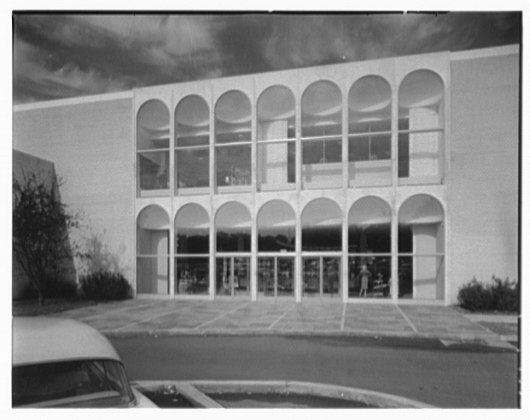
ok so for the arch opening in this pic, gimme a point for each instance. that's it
(152, 251)
(421, 248)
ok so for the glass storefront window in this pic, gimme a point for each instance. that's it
(364, 148)
(275, 122)
(232, 276)
(369, 132)
(369, 276)
(232, 225)
(153, 169)
(192, 230)
(276, 276)
(192, 275)
(232, 140)
(276, 227)
(233, 165)
(322, 135)
(192, 168)
(369, 239)
(321, 226)
(321, 277)
(192, 138)
(421, 125)
(152, 145)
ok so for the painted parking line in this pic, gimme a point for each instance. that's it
(100, 313)
(221, 316)
(144, 320)
(406, 318)
(343, 320)
(279, 319)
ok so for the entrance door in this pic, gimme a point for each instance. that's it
(232, 276)
(276, 276)
(321, 277)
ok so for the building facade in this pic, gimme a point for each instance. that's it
(392, 180)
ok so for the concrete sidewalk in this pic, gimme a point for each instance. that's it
(198, 317)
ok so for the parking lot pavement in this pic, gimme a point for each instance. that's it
(156, 316)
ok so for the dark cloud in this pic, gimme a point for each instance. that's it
(65, 55)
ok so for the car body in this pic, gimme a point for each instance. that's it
(65, 363)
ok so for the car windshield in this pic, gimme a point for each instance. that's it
(79, 383)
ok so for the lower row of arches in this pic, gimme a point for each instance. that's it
(365, 267)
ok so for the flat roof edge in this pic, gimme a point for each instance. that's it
(80, 100)
(486, 52)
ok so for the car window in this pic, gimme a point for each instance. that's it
(81, 383)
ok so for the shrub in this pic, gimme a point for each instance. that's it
(105, 285)
(505, 295)
(499, 295)
(60, 289)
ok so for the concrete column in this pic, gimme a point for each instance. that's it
(253, 254)
(212, 192)
(395, 180)
(253, 209)
(298, 258)
(172, 171)
(212, 256)
(345, 186)
(298, 208)
(394, 250)
(344, 262)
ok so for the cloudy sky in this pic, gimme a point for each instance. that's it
(67, 55)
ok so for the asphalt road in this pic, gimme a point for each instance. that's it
(422, 370)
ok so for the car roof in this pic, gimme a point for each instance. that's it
(48, 339)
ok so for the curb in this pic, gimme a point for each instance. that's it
(202, 392)
(491, 340)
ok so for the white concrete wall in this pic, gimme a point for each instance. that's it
(482, 180)
(90, 144)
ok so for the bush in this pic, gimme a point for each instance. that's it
(52, 290)
(499, 295)
(505, 295)
(60, 289)
(105, 285)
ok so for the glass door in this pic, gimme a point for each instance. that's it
(321, 276)
(276, 276)
(232, 276)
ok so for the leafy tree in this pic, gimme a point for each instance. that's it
(41, 227)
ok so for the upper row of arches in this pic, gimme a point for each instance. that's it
(369, 110)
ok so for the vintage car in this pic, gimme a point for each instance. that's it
(64, 363)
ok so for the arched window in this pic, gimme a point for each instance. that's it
(192, 139)
(233, 140)
(322, 135)
(421, 245)
(276, 138)
(232, 227)
(369, 132)
(276, 245)
(369, 248)
(421, 127)
(192, 227)
(276, 227)
(152, 251)
(152, 146)
(322, 239)
(321, 226)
